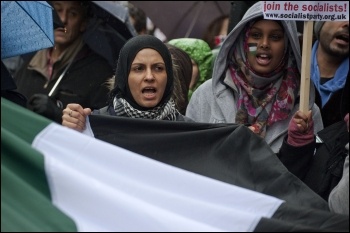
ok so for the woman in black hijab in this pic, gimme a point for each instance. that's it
(143, 86)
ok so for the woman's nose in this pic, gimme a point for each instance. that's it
(264, 43)
(149, 74)
(264, 46)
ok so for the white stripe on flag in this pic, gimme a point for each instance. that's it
(107, 188)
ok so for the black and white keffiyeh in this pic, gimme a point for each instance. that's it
(166, 111)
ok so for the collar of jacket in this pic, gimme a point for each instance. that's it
(40, 62)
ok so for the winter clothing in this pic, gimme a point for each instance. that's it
(8, 86)
(296, 138)
(128, 54)
(222, 98)
(111, 112)
(83, 83)
(45, 106)
(121, 101)
(319, 164)
(339, 198)
(332, 96)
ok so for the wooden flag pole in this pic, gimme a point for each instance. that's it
(306, 66)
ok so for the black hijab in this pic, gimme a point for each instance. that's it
(126, 57)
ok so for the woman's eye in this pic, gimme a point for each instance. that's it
(276, 37)
(137, 68)
(255, 35)
(159, 68)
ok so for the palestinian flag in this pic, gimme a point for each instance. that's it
(145, 175)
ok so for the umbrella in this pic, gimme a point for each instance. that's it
(108, 29)
(26, 26)
(178, 19)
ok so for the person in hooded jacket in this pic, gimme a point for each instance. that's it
(143, 86)
(256, 79)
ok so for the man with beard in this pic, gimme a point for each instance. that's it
(330, 69)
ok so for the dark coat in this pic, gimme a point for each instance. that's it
(323, 170)
(337, 106)
(83, 83)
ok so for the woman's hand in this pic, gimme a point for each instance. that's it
(74, 116)
(301, 129)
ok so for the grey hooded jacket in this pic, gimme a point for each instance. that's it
(214, 102)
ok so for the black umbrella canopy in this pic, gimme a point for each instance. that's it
(115, 15)
(108, 30)
(178, 19)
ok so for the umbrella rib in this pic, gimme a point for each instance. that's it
(194, 19)
(36, 21)
(218, 6)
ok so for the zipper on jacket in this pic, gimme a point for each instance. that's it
(46, 84)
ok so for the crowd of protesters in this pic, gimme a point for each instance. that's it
(253, 78)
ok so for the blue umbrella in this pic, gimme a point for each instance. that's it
(26, 26)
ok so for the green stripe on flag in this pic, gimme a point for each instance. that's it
(20, 121)
(25, 195)
(28, 163)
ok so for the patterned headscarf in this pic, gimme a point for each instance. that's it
(263, 99)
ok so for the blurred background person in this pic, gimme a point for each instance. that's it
(142, 23)
(70, 70)
(202, 60)
(216, 33)
(138, 19)
(182, 68)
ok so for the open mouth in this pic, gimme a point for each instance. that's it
(343, 37)
(64, 30)
(149, 90)
(263, 59)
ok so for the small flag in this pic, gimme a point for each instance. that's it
(252, 48)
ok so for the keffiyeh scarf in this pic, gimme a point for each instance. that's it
(166, 111)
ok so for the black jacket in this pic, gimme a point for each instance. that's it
(319, 164)
(84, 82)
(337, 106)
